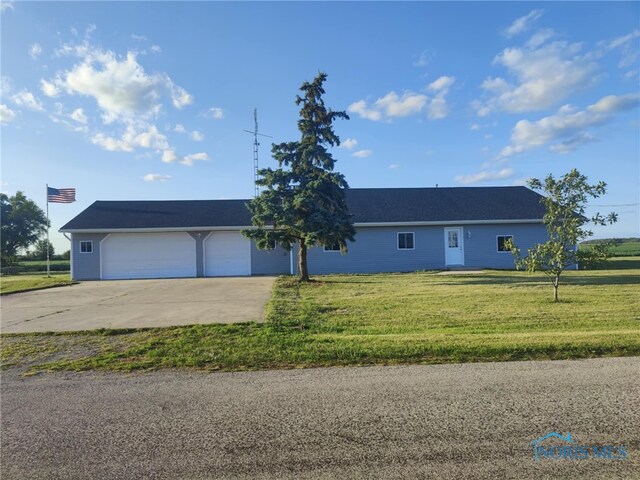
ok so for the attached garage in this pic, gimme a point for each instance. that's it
(227, 253)
(147, 255)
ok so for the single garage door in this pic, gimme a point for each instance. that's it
(148, 255)
(227, 254)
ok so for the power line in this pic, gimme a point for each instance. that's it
(617, 205)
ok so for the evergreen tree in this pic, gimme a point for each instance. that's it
(303, 201)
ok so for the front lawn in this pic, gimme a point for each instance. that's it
(26, 283)
(376, 319)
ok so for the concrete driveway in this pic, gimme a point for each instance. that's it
(137, 303)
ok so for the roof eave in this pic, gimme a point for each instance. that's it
(244, 227)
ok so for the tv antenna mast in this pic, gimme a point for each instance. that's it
(256, 144)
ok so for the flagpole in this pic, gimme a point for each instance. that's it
(48, 247)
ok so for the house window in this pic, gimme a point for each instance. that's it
(86, 246)
(334, 247)
(405, 241)
(272, 244)
(502, 239)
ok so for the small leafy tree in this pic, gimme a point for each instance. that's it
(304, 200)
(565, 200)
(22, 222)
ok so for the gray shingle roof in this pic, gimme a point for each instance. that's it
(367, 205)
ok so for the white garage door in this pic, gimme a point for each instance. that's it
(226, 254)
(148, 255)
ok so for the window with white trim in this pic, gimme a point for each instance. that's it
(405, 241)
(502, 240)
(86, 246)
(334, 247)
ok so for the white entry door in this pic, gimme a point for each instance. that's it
(453, 246)
(227, 254)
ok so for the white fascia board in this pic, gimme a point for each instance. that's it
(250, 227)
(454, 222)
(154, 230)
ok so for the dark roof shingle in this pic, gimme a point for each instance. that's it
(367, 205)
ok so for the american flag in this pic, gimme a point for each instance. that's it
(61, 195)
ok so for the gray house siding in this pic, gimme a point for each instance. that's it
(481, 243)
(376, 249)
(270, 262)
(199, 238)
(85, 266)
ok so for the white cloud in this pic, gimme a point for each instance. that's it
(190, 159)
(148, 137)
(197, 136)
(394, 105)
(5, 85)
(360, 107)
(156, 177)
(394, 166)
(349, 143)
(180, 97)
(120, 86)
(179, 128)
(422, 61)
(79, 116)
(48, 88)
(6, 114)
(486, 176)
(215, 112)
(391, 105)
(6, 6)
(475, 126)
(541, 78)
(567, 126)
(540, 37)
(522, 24)
(442, 83)
(25, 98)
(438, 107)
(362, 153)
(571, 144)
(139, 37)
(170, 156)
(35, 50)
(155, 49)
(629, 49)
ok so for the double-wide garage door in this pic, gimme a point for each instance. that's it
(148, 255)
(169, 255)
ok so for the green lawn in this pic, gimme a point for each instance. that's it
(28, 282)
(376, 319)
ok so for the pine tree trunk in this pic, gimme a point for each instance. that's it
(303, 270)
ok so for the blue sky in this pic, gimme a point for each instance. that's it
(149, 100)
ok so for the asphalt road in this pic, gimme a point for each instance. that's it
(448, 421)
(136, 304)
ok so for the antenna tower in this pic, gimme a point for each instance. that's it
(256, 144)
